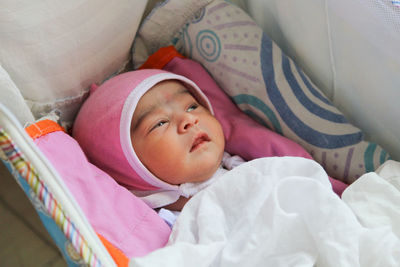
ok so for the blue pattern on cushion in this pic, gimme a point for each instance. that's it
(260, 105)
(208, 45)
(312, 89)
(255, 117)
(307, 133)
(304, 100)
(369, 157)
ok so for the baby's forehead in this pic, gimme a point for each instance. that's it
(169, 86)
(166, 91)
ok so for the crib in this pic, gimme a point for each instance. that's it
(340, 101)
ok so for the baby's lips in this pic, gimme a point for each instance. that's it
(198, 140)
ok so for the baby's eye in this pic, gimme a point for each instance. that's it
(192, 107)
(158, 124)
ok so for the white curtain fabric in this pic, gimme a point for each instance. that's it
(11, 97)
(54, 50)
(349, 48)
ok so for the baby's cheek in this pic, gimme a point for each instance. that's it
(165, 159)
(169, 172)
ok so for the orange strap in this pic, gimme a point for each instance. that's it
(119, 257)
(161, 58)
(42, 128)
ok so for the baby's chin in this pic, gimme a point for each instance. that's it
(190, 173)
(206, 175)
(198, 177)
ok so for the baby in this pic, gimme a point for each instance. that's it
(167, 143)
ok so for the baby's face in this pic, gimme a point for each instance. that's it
(175, 137)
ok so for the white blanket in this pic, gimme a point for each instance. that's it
(282, 212)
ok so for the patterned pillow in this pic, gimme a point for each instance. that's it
(262, 81)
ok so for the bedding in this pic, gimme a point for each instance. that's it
(261, 80)
(281, 212)
(292, 217)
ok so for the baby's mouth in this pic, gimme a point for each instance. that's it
(199, 139)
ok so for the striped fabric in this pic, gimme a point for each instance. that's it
(13, 155)
(269, 86)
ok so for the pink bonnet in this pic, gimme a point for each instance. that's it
(102, 126)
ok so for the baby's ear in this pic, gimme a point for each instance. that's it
(93, 87)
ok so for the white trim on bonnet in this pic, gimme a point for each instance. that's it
(126, 117)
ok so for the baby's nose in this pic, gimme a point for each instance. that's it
(188, 121)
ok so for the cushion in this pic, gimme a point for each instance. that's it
(53, 50)
(262, 81)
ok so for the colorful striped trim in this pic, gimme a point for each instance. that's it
(28, 172)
